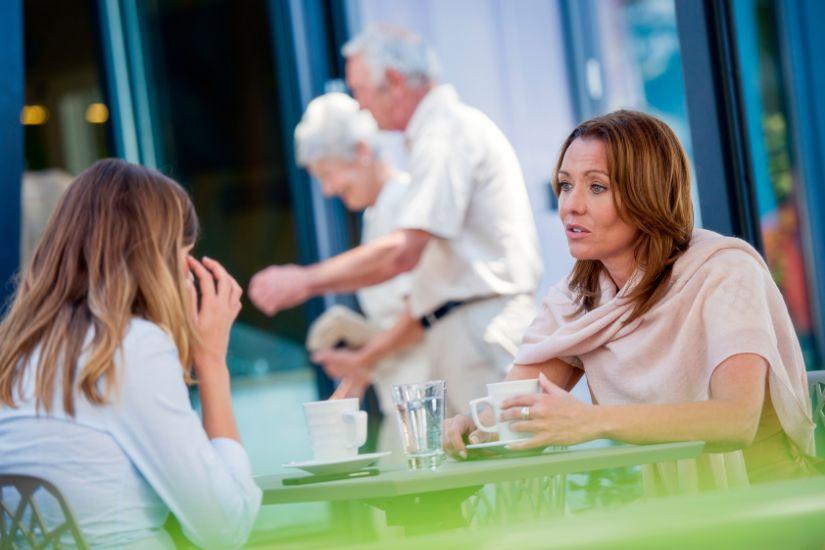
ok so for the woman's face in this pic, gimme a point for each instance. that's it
(350, 180)
(591, 221)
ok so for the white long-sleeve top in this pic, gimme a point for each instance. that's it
(124, 465)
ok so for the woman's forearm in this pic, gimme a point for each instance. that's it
(216, 404)
(723, 425)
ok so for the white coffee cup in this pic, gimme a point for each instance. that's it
(336, 428)
(496, 394)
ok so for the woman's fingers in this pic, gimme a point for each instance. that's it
(548, 386)
(193, 298)
(205, 280)
(237, 291)
(457, 443)
(530, 426)
(222, 278)
(454, 437)
(514, 413)
(526, 400)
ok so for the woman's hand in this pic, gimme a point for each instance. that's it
(556, 417)
(342, 363)
(220, 303)
(459, 426)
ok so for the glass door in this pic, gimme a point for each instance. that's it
(212, 96)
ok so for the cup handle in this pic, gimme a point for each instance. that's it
(356, 422)
(474, 412)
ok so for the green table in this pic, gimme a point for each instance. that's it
(785, 514)
(430, 500)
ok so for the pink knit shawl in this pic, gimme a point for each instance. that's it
(721, 301)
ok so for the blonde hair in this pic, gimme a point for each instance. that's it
(110, 252)
(649, 170)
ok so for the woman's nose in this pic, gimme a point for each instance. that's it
(574, 201)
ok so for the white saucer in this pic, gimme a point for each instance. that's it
(500, 447)
(337, 465)
(488, 444)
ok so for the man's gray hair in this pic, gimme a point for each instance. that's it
(385, 47)
(332, 125)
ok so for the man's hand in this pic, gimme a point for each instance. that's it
(279, 287)
(342, 363)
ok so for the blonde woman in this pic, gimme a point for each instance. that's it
(95, 351)
(680, 332)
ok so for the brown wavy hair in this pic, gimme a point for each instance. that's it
(649, 171)
(110, 252)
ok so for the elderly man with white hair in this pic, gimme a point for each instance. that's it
(466, 228)
(338, 143)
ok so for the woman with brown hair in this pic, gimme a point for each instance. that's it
(95, 353)
(681, 332)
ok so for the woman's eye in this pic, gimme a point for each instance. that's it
(598, 188)
(565, 186)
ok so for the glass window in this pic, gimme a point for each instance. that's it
(66, 115)
(639, 65)
(216, 127)
(778, 188)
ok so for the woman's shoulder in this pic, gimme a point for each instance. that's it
(147, 346)
(141, 332)
(712, 254)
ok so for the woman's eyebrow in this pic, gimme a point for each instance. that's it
(566, 173)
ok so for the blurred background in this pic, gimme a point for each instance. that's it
(209, 92)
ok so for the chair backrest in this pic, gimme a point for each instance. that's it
(816, 383)
(23, 522)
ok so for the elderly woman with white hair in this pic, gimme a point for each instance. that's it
(337, 142)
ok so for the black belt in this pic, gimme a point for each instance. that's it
(440, 312)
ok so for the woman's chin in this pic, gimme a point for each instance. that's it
(580, 252)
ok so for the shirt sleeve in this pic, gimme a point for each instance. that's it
(441, 187)
(207, 484)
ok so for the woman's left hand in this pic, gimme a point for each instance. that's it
(555, 417)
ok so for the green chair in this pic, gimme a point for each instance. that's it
(816, 383)
(21, 522)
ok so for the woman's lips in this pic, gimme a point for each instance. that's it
(576, 232)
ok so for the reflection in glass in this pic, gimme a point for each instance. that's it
(217, 129)
(777, 188)
(642, 64)
(63, 81)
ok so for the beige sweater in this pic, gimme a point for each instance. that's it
(721, 301)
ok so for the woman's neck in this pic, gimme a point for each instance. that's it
(620, 269)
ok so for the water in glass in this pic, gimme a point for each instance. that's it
(420, 410)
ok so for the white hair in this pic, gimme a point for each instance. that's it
(332, 125)
(385, 47)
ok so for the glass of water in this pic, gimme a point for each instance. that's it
(420, 410)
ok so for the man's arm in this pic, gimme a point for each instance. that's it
(343, 363)
(281, 287)
(368, 264)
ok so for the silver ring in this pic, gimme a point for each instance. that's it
(525, 413)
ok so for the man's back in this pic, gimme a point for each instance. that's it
(467, 190)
